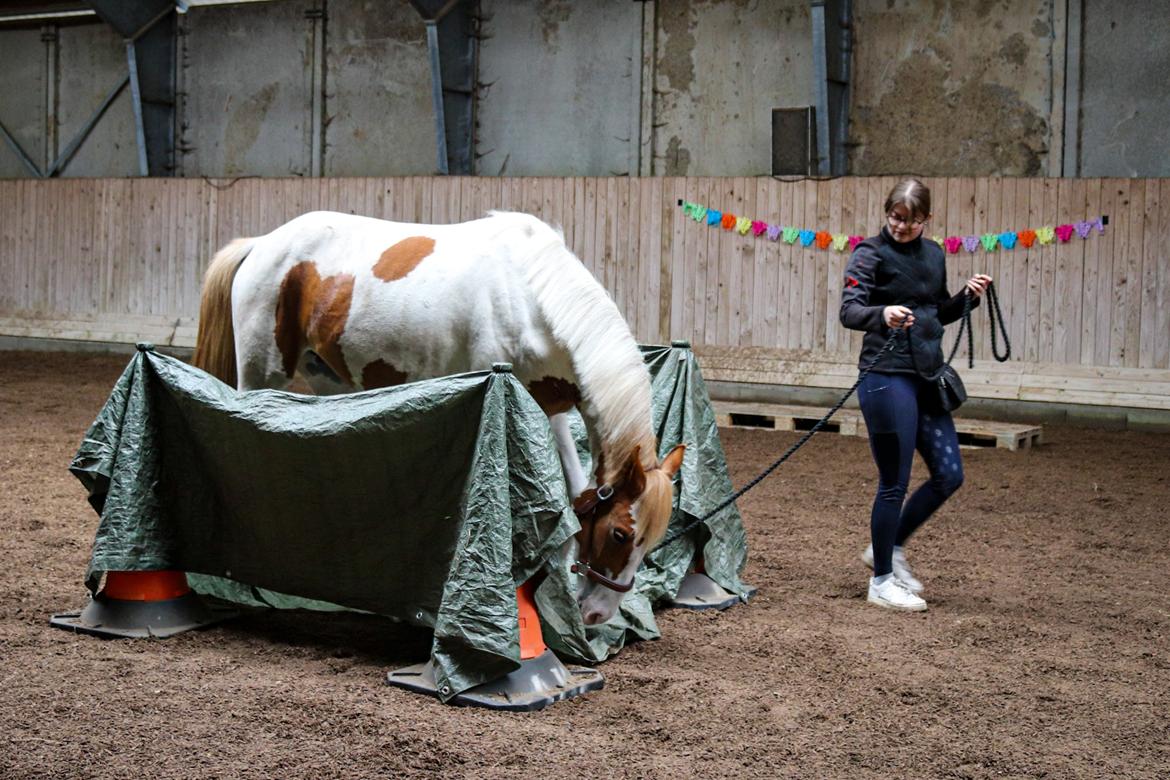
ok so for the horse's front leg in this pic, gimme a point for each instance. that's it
(574, 476)
(567, 448)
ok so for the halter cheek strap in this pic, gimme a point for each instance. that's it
(586, 506)
(583, 567)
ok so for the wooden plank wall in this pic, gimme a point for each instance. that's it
(1088, 319)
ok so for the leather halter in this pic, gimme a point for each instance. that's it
(586, 506)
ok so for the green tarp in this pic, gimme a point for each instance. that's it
(427, 503)
(682, 414)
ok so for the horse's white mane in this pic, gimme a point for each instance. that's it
(614, 382)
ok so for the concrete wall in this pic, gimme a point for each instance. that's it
(614, 87)
(952, 87)
(378, 97)
(245, 109)
(22, 100)
(721, 68)
(49, 91)
(564, 85)
(1124, 109)
(560, 90)
(249, 74)
(92, 62)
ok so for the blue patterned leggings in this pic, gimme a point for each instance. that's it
(899, 423)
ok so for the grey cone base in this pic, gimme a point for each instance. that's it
(115, 618)
(698, 591)
(536, 684)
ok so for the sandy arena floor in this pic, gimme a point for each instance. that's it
(1045, 652)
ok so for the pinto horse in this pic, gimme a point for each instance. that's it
(353, 303)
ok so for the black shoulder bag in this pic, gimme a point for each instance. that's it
(951, 393)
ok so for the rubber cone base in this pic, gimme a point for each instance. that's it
(112, 618)
(698, 591)
(536, 684)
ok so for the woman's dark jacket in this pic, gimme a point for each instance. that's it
(883, 272)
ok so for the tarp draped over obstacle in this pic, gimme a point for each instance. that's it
(428, 503)
(682, 414)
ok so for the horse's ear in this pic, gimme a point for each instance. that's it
(673, 460)
(633, 479)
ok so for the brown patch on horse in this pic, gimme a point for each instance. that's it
(312, 311)
(555, 395)
(611, 539)
(400, 259)
(381, 374)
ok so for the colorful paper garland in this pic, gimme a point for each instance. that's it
(823, 239)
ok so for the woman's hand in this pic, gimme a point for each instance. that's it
(977, 284)
(897, 317)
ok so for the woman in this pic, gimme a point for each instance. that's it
(896, 282)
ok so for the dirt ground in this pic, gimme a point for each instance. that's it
(1045, 652)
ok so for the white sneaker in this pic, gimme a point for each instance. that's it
(893, 594)
(901, 568)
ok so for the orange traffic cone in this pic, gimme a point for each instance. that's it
(531, 639)
(142, 604)
(145, 585)
(541, 679)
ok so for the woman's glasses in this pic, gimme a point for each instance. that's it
(899, 220)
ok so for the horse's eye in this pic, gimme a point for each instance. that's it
(620, 536)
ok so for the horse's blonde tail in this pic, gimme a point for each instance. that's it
(215, 343)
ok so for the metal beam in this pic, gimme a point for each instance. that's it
(839, 48)
(148, 29)
(452, 48)
(437, 97)
(317, 20)
(75, 144)
(821, 86)
(51, 40)
(136, 100)
(24, 158)
(645, 136)
(1073, 59)
(46, 15)
(832, 36)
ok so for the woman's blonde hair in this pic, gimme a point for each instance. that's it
(912, 194)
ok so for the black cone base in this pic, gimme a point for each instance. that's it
(139, 619)
(698, 591)
(536, 684)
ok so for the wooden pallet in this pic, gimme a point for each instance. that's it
(849, 422)
(786, 417)
(1009, 436)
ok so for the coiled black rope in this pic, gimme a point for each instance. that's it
(994, 314)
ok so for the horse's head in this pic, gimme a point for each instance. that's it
(620, 523)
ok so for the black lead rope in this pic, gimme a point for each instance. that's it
(816, 427)
(993, 314)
